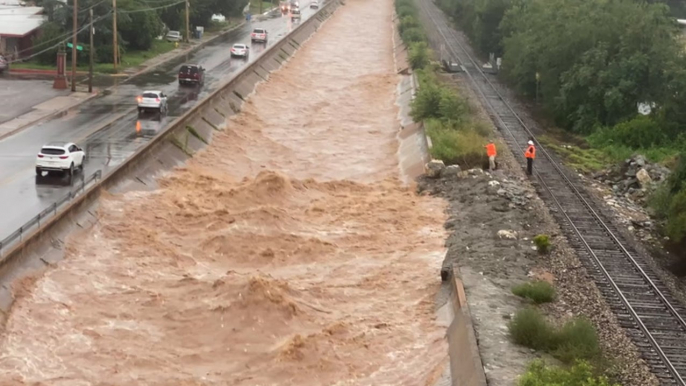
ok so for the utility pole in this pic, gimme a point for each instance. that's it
(115, 46)
(260, 6)
(73, 49)
(188, 24)
(92, 48)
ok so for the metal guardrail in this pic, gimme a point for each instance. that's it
(37, 221)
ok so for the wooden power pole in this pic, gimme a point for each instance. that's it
(91, 49)
(115, 45)
(73, 48)
(188, 24)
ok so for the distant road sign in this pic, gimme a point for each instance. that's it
(78, 47)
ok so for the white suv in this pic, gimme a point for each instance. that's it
(60, 157)
(152, 100)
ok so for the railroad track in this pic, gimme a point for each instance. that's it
(643, 305)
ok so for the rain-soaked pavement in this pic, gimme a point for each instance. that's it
(24, 195)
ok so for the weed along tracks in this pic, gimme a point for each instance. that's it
(644, 307)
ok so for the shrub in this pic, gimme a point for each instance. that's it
(676, 219)
(413, 35)
(538, 291)
(581, 374)
(530, 328)
(408, 22)
(418, 55)
(405, 10)
(542, 243)
(452, 145)
(659, 201)
(639, 132)
(577, 339)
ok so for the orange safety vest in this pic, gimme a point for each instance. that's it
(490, 149)
(530, 152)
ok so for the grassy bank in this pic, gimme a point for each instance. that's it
(573, 344)
(457, 134)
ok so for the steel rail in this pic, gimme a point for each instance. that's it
(596, 216)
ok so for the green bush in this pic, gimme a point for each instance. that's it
(418, 55)
(542, 243)
(659, 201)
(405, 10)
(413, 35)
(581, 374)
(639, 132)
(538, 291)
(530, 328)
(408, 22)
(577, 339)
(452, 145)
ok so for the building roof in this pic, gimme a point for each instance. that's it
(19, 21)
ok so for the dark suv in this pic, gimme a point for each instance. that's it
(191, 74)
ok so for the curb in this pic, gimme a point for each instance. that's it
(95, 94)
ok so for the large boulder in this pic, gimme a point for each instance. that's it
(643, 178)
(434, 168)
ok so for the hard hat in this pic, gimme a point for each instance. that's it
(531, 143)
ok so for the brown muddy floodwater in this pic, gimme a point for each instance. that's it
(288, 253)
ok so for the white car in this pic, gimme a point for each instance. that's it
(314, 4)
(152, 100)
(63, 157)
(173, 36)
(259, 35)
(240, 50)
(295, 15)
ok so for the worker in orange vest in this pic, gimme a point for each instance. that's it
(530, 154)
(491, 153)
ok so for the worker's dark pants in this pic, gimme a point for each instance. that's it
(530, 166)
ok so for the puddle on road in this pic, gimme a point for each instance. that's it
(287, 253)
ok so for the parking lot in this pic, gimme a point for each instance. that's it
(18, 96)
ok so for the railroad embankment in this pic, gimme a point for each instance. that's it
(517, 241)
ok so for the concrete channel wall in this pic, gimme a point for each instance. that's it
(466, 368)
(181, 138)
(413, 148)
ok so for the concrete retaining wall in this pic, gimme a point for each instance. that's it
(466, 368)
(183, 137)
(413, 150)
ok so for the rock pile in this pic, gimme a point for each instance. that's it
(634, 178)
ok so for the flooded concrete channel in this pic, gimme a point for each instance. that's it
(287, 252)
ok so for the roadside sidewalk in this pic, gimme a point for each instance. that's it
(61, 104)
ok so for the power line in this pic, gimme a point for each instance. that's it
(151, 9)
(58, 44)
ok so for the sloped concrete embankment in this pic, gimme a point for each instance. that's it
(466, 368)
(413, 149)
(179, 141)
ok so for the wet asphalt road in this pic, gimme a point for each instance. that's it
(23, 195)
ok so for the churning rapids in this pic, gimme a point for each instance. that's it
(286, 253)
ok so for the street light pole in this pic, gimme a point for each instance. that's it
(188, 27)
(90, 66)
(73, 49)
(115, 46)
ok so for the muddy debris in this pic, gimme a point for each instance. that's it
(634, 179)
(493, 218)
